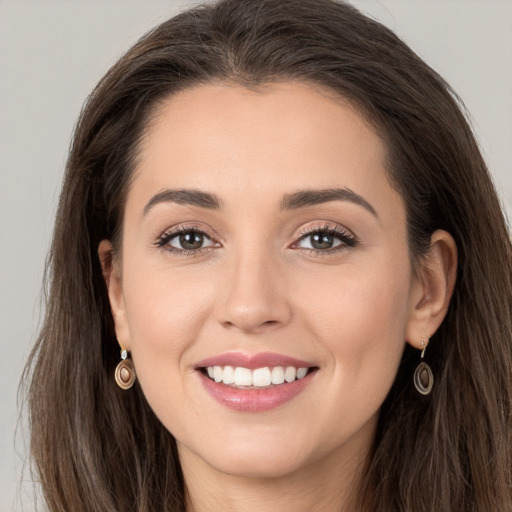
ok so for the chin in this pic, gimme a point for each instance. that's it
(258, 466)
(256, 460)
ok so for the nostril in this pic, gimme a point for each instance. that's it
(251, 323)
(252, 302)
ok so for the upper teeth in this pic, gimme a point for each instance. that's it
(261, 377)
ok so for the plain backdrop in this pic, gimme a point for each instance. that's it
(51, 55)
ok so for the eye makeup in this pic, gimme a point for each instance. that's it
(320, 240)
(326, 239)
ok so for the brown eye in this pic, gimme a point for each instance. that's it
(189, 241)
(320, 241)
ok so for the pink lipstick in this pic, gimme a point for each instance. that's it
(254, 383)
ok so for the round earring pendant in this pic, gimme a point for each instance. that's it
(125, 374)
(423, 379)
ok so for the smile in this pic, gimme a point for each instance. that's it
(258, 378)
(254, 383)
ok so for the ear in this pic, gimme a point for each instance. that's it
(432, 289)
(111, 268)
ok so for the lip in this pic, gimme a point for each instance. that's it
(254, 361)
(250, 399)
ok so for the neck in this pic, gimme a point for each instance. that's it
(326, 486)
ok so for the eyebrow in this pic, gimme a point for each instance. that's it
(185, 197)
(304, 198)
(294, 201)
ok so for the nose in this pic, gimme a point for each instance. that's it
(254, 297)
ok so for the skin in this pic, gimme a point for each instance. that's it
(258, 287)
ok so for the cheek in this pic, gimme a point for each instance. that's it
(359, 320)
(358, 324)
(164, 305)
(165, 314)
(368, 297)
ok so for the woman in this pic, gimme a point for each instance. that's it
(280, 279)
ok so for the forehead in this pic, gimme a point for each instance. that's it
(234, 141)
(284, 115)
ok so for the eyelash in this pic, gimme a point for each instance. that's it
(347, 239)
(167, 236)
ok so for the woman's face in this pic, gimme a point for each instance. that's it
(262, 240)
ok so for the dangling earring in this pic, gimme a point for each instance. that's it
(125, 371)
(423, 377)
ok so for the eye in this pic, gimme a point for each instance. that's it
(190, 240)
(319, 241)
(327, 239)
(186, 240)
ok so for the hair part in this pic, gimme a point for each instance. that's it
(98, 448)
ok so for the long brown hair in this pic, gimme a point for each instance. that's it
(97, 448)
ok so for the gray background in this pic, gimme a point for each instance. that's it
(51, 55)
